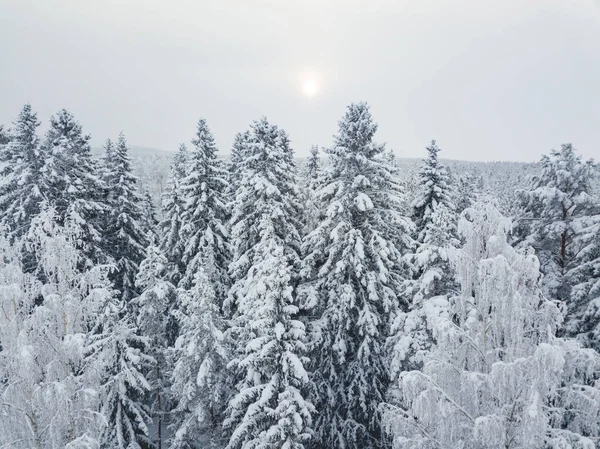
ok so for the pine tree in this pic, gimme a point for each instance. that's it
(171, 243)
(20, 191)
(560, 220)
(155, 319)
(497, 376)
(354, 276)
(199, 376)
(434, 190)
(72, 187)
(125, 236)
(268, 409)
(205, 215)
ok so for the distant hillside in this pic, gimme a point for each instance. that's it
(497, 179)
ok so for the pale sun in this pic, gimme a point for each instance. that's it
(310, 87)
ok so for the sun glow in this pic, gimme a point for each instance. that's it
(310, 83)
(310, 87)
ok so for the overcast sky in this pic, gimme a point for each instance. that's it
(490, 80)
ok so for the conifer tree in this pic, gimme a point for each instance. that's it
(354, 273)
(72, 186)
(313, 164)
(238, 154)
(465, 193)
(107, 162)
(561, 217)
(149, 222)
(585, 294)
(171, 243)
(205, 215)
(4, 138)
(310, 184)
(125, 235)
(411, 335)
(497, 376)
(156, 321)
(390, 157)
(434, 190)
(20, 192)
(268, 409)
(199, 378)
(119, 355)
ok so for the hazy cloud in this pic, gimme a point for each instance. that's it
(488, 80)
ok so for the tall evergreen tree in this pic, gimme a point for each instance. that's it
(205, 215)
(171, 243)
(313, 164)
(355, 275)
(411, 336)
(120, 356)
(238, 154)
(149, 222)
(434, 190)
(125, 234)
(465, 192)
(155, 307)
(199, 379)
(268, 409)
(4, 137)
(72, 186)
(310, 184)
(390, 157)
(560, 220)
(22, 160)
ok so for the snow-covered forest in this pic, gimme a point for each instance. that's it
(244, 298)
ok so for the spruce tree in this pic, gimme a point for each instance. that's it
(199, 378)
(585, 294)
(125, 234)
(72, 186)
(205, 215)
(156, 321)
(149, 222)
(20, 190)
(465, 193)
(411, 335)
(4, 138)
(313, 164)
(310, 184)
(120, 356)
(434, 190)
(170, 243)
(560, 219)
(268, 409)
(354, 279)
(238, 154)
(390, 157)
